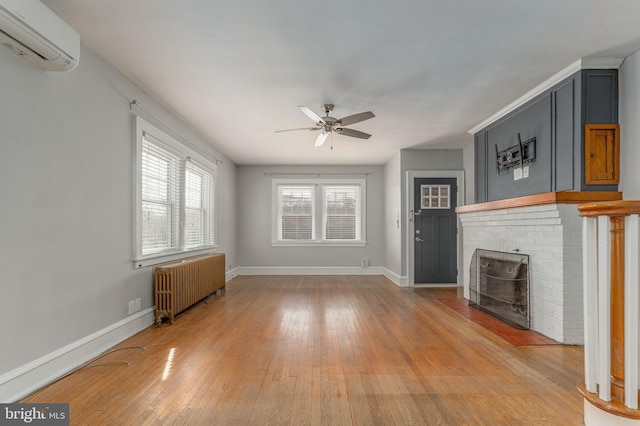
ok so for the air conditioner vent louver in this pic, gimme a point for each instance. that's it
(18, 48)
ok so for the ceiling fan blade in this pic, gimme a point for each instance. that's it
(356, 118)
(312, 115)
(321, 138)
(352, 133)
(299, 128)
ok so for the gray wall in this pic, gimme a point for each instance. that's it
(254, 214)
(423, 160)
(630, 127)
(532, 120)
(66, 162)
(393, 216)
(468, 155)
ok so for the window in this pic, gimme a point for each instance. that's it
(295, 207)
(301, 208)
(341, 212)
(435, 196)
(160, 198)
(175, 198)
(198, 208)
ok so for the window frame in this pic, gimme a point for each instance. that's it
(318, 212)
(184, 154)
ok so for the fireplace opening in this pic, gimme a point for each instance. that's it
(499, 285)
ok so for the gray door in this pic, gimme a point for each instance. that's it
(435, 230)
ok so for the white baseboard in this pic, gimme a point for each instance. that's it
(28, 378)
(309, 271)
(231, 274)
(594, 416)
(399, 280)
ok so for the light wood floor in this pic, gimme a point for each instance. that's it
(325, 351)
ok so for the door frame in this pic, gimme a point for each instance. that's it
(410, 228)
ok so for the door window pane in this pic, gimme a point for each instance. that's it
(435, 196)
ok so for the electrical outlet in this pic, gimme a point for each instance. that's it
(137, 304)
(517, 174)
(364, 263)
(131, 306)
(525, 172)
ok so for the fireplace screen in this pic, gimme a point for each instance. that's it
(499, 285)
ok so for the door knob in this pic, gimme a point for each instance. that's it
(419, 240)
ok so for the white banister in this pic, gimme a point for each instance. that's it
(604, 308)
(631, 308)
(590, 298)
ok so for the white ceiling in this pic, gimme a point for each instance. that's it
(429, 69)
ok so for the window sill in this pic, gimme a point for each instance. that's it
(170, 257)
(318, 244)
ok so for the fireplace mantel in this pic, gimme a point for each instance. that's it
(562, 197)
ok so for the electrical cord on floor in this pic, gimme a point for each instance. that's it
(91, 364)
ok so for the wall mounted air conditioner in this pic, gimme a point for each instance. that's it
(31, 30)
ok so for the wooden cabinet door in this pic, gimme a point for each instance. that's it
(602, 154)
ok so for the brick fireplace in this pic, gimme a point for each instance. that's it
(547, 228)
(499, 285)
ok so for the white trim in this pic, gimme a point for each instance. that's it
(231, 274)
(324, 243)
(601, 63)
(400, 281)
(631, 311)
(590, 301)
(411, 175)
(184, 152)
(308, 270)
(162, 258)
(595, 416)
(604, 309)
(584, 63)
(22, 381)
(318, 215)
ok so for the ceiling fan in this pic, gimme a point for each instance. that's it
(328, 124)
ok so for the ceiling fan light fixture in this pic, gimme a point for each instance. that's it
(322, 137)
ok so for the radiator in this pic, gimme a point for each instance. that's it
(180, 285)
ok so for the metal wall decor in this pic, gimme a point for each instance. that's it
(516, 155)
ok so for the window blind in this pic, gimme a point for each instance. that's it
(295, 211)
(160, 198)
(199, 206)
(341, 212)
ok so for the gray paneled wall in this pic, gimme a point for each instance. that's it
(556, 119)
